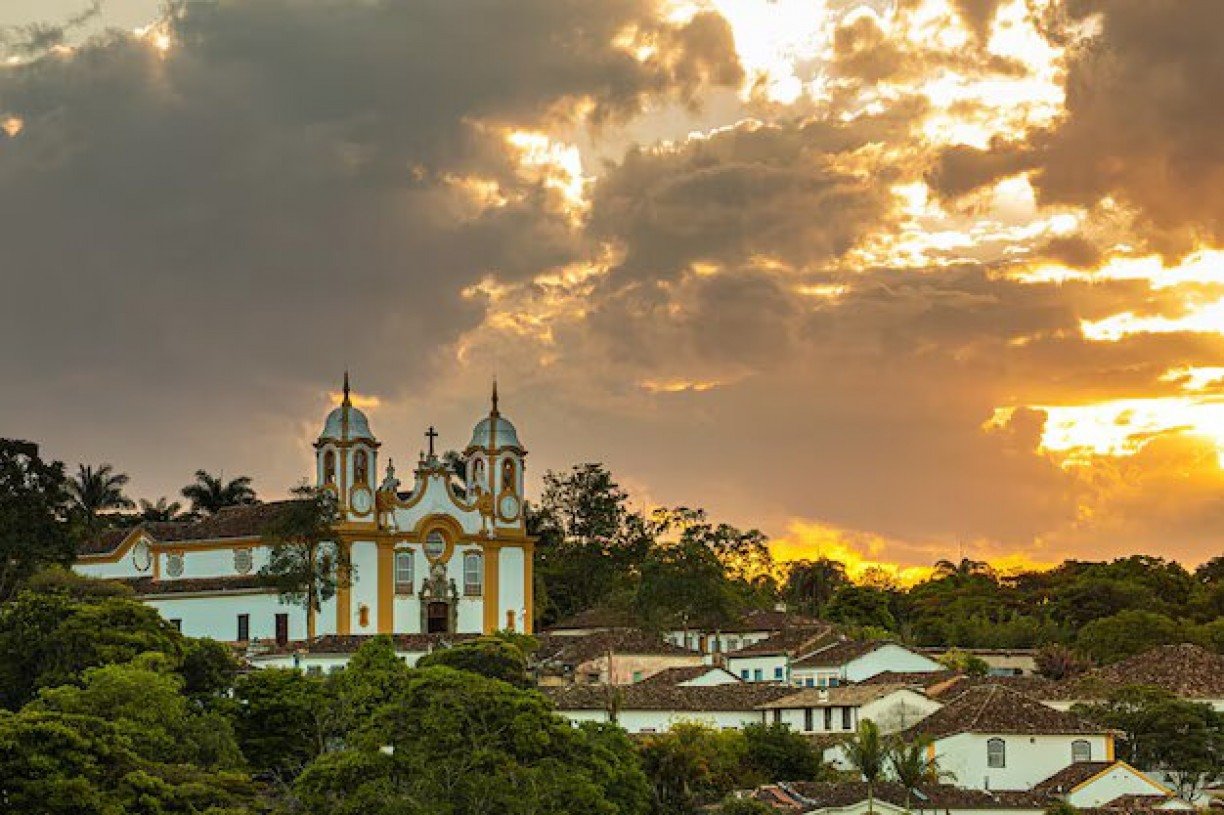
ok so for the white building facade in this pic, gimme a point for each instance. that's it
(449, 556)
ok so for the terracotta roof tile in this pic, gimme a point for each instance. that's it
(230, 522)
(560, 649)
(143, 586)
(740, 696)
(1072, 776)
(839, 654)
(798, 640)
(996, 709)
(824, 794)
(684, 673)
(839, 696)
(1185, 670)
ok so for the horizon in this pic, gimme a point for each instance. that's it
(891, 282)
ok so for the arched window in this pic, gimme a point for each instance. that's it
(509, 480)
(996, 753)
(1081, 750)
(361, 467)
(473, 574)
(329, 467)
(435, 545)
(403, 572)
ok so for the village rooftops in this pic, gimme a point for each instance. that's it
(687, 673)
(816, 795)
(914, 679)
(753, 620)
(737, 696)
(996, 709)
(247, 521)
(798, 640)
(1185, 670)
(575, 650)
(837, 696)
(839, 653)
(1071, 776)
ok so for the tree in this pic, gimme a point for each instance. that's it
(280, 720)
(963, 570)
(49, 639)
(144, 700)
(692, 765)
(1164, 732)
(1115, 638)
(210, 494)
(209, 668)
(455, 742)
(811, 584)
(912, 764)
(96, 491)
(1059, 662)
(778, 753)
(163, 510)
(745, 806)
(966, 663)
(488, 656)
(866, 753)
(305, 565)
(862, 606)
(33, 532)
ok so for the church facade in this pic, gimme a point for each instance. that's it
(449, 555)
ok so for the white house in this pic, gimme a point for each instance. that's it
(620, 656)
(1093, 784)
(839, 709)
(450, 555)
(332, 652)
(993, 738)
(770, 660)
(856, 661)
(649, 707)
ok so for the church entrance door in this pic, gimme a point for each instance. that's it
(437, 618)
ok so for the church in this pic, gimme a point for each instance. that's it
(448, 556)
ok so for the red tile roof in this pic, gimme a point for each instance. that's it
(838, 654)
(799, 640)
(1072, 776)
(231, 522)
(145, 586)
(996, 709)
(740, 696)
(1185, 670)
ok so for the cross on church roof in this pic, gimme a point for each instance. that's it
(431, 434)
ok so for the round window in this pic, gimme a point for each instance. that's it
(243, 561)
(435, 545)
(174, 564)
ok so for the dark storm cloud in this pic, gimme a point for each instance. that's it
(275, 197)
(1142, 122)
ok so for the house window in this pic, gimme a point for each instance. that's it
(1081, 750)
(403, 572)
(733, 644)
(473, 574)
(757, 674)
(178, 624)
(809, 682)
(828, 717)
(778, 672)
(744, 674)
(808, 723)
(637, 676)
(777, 716)
(996, 753)
(244, 627)
(847, 716)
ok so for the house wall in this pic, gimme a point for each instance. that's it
(898, 711)
(796, 719)
(1029, 759)
(630, 668)
(768, 667)
(888, 657)
(1117, 780)
(715, 676)
(659, 721)
(216, 615)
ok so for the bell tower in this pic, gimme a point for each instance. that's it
(346, 458)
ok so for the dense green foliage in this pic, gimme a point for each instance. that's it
(495, 657)
(34, 531)
(674, 567)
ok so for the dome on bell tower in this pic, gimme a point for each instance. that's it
(346, 423)
(494, 431)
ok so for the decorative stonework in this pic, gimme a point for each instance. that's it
(243, 561)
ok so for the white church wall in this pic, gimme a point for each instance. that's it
(121, 568)
(364, 591)
(1028, 759)
(510, 586)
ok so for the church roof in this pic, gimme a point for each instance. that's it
(358, 425)
(246, 521)
(494, 431)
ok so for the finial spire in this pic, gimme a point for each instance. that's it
(347, 402)
(495, 396)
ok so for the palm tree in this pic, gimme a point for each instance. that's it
(866, 753)
(209, 494)
(163, 510)
(914, 762)
(811, 584)
(93, 491)
(966, 568)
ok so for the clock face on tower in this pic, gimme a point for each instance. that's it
(508, 506)
(361, 501)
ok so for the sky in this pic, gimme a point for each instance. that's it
(891, 281)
